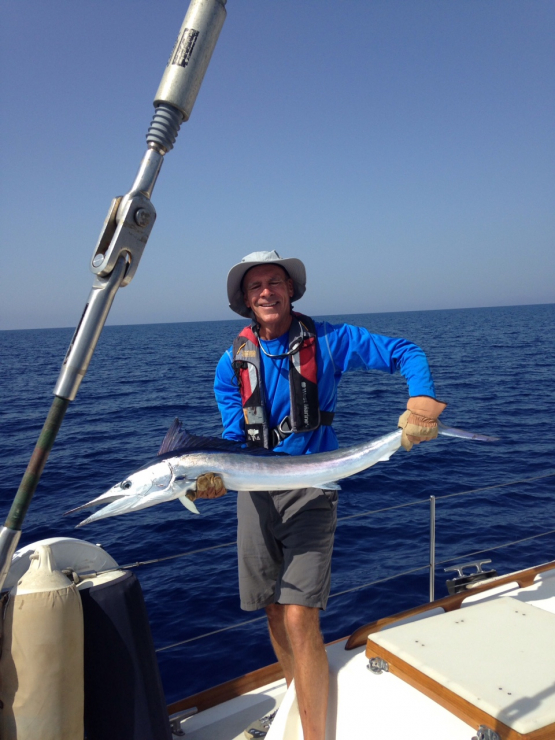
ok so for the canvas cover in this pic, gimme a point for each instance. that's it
(41, 667)
(124, 698)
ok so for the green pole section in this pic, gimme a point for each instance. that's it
(37, 462)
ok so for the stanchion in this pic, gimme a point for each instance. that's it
(432, 547)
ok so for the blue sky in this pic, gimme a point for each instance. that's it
(403, 149)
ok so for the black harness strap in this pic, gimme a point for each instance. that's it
(305, 414)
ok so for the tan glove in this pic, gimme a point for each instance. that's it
(209, 485)
(419, 422)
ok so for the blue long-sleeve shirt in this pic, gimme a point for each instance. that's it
(341, 347)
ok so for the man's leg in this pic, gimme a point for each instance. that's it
(285, 543)
(280, 639)
(297, 640)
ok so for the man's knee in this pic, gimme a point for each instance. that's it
(302, 623)
(276, 617)
(275, 612)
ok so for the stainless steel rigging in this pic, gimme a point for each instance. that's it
(122, 240)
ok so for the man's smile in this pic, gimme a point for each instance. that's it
(267, 292)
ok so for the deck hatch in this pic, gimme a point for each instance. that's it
(490, 664)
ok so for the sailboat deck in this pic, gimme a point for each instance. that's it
(363, 704)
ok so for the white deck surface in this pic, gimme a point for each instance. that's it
(362, 705)
(499, 656)
(228, 721)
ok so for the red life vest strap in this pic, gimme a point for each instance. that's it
(305, 414)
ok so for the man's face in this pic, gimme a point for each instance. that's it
(268, 291)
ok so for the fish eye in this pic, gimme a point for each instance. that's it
(125, 485)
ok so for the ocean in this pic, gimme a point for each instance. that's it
(494, 366)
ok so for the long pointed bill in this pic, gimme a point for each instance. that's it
(104, 499)
(128, 504)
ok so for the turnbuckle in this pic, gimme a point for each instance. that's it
(126, 230)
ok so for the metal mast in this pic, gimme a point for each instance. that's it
(122, 240)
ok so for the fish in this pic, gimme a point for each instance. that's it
(183, 457)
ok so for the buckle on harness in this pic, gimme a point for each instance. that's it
(283, 430)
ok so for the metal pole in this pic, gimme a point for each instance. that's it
(11, 531)
(432, 546)
(122, 240)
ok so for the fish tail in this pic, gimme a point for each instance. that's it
(462, 434)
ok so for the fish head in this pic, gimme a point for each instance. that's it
(158, 481)
(154, 479)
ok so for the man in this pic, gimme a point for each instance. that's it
(277, 388)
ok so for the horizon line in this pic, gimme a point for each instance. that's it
(327, 315)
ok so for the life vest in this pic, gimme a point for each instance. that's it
(305, 414)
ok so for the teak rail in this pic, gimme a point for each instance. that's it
(256, 679)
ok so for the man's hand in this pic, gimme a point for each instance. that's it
(210, 485)
(419, 422)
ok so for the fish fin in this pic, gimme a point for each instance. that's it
(218, 444)
(331, 486)
(387, 455)
(263, 452)
(169, 440)
(193, 442)
(178, 440)
(188, 504)
(445, 431)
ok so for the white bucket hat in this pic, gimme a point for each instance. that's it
(294, 267)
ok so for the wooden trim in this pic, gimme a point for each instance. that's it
(254, 680)
(229, 690)
(523, 578)
(461, 708)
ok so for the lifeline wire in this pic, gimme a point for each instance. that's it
(207, 634)
(448, 495)
(354, 588)
(380, 580)
(342, 519)
(498, 547)
(360, 587)
(258, 619)
(171, 557)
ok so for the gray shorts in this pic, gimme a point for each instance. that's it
(285, 542)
